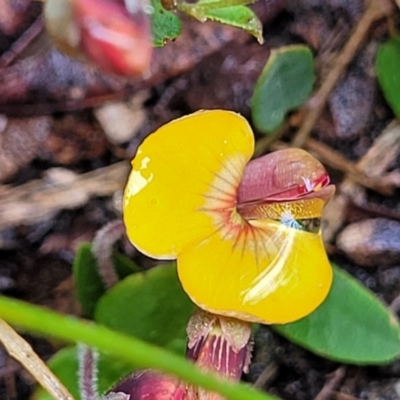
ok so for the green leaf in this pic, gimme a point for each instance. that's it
(123, 265)
(88, 283)
(351, 326)
(165, 25)
(151, 306)
(64, 364)
(229, 12)
(213, 4)
(388, 72)
(238, 16)
(285, 83)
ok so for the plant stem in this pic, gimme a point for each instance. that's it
(123, 347)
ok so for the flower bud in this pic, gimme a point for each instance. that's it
(106, 32)
(149, 385)
(218, 344)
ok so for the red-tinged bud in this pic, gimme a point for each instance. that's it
(282, 176)
(147, 385)
(218, 344)
(116, 39)
(114, 35)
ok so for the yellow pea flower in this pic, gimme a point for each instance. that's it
(245, 234)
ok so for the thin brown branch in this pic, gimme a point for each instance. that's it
(333, 380)
(37, 200)
(19, 349)
(343, 396)
(373, 165)
(22, 43)
(266, 376)
(375, 10)
(335, 160)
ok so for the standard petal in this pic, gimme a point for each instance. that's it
(181, 176)
(267, 273)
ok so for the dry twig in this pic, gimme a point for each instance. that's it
(37, 200)
(333, 380)
(374, 163)
(375, 10)
(343, 396)
(335, 160)
(19, 349)
(266, 376)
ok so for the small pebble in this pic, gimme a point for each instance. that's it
(372, 242)
(382, 390)
(122, 120)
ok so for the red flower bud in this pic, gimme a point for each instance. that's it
(149, 385)
(105, 32)
(114, 38)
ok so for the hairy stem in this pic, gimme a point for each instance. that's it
(88, 358)
(102, 248)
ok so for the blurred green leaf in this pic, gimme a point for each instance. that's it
(388, 72)
(88, 283)
(123, 265)
(351, 326)
(229, 12)
(149, 305)
(64, 364)
(285, 83)
(165, 25)
(213, 4)
(238, 16)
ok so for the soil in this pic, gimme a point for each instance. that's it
(53, 133)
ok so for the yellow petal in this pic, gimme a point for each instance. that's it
(266, 272)
(180, 175)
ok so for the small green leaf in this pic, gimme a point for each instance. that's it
(285, 83)
(213, 4)
(88, 283)
(165, 25)
(123, 265)
(150, 305)
(351, 326)
(388, 72)
(229, 12)
(64, 364)
(238, 16)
